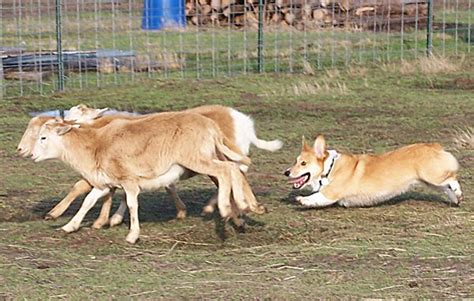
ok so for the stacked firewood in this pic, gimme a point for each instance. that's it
(365, 14)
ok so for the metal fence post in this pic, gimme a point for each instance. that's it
(429, 30)
(1, 76)
(59, 45)
(260, 37)
(1, 52)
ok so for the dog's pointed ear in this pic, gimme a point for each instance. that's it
(320, 147)
(304, 145)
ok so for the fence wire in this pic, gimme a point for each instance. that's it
(110, 42)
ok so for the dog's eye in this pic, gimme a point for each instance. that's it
(303, 163)
(43, 138)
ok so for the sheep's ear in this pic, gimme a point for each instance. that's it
(320, 147)
(304, 145)
(61, 130)
(100, 112)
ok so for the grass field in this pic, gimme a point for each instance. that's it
(414, 246)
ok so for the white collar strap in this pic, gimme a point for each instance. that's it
(329, 162)
(327, 168)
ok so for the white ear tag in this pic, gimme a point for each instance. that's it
(324, 181)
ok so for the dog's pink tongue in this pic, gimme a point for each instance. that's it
(295, 180)
(292, 181)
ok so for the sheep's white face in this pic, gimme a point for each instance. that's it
(49, 141)
(83, 114)
(30, 136)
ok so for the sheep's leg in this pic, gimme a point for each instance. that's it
(88, 203)
(132, 192)
(211, 204)
(250, 197)
(237, 188)
(79, 188)
(103, 218)
(221, 171)
(209, 207)
(180, 206)
(117, 218)
(240, 191)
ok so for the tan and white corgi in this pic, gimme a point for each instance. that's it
(365, 180)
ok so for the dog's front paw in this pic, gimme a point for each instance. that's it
(305, 201)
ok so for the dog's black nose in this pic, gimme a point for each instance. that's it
(287, 173)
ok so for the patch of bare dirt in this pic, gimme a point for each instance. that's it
(28, 257)
(459, 83)
(249, 96)
(464, 83)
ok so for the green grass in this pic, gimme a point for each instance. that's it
(414, 246)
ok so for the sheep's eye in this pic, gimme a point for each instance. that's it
(43, 138)
(303, 163)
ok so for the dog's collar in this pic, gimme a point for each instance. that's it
(328, 166)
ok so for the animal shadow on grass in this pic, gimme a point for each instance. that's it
(418, 197)
(408, 196)
(154, 206)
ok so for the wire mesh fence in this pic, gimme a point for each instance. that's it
(97, 43)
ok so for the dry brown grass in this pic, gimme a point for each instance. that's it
(314, 88)
(333, 73)
(464, 138)
(307, 68)
(310, 87)
(429, 65)
(327, 83)
(357, 71)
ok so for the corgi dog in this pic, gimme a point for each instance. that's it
(365, 180)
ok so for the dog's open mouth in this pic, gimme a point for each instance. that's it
(299, 181)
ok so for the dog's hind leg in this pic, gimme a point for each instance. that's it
(448, 183)
(453, 189)
(442, 174)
